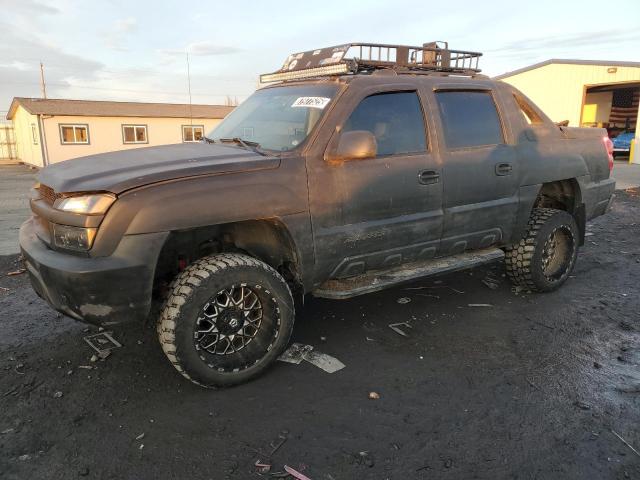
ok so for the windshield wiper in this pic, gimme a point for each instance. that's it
(207, 139)
(247, 144)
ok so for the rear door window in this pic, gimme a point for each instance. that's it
(469, 119)
(395, 119)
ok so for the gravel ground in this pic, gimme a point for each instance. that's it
(533, 386)
(15, 182)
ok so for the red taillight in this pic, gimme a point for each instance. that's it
(608, 145)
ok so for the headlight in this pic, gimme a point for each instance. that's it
(94, 204)
(73, 238)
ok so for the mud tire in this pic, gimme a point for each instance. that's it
(525, 260)
(193, 288)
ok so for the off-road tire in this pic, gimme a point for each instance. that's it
(525, 260)
(194, 288)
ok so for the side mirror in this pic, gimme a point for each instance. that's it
(355, 145)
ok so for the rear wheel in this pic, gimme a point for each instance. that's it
(544, 258)
(227, 318)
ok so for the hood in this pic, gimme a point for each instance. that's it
(119, 171)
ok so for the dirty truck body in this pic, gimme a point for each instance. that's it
(390, 175)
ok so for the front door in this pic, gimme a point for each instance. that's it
(480, 171)
(377, 212)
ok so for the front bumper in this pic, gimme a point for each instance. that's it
(99, 290)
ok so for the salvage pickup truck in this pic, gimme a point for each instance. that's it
(357, 168)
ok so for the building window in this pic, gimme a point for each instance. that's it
(74, 134)
(134, 134)
(469, 119)
(34, 134)
(192, 133)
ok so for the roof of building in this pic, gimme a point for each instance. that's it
(93, 108)
(603, 63)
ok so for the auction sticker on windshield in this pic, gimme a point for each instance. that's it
(311, 102)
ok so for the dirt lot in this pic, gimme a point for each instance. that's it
(533, 386)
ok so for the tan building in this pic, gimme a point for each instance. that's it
(587, 93)
(48, 131)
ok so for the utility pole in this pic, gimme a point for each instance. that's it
(189, 83)
(43, 85)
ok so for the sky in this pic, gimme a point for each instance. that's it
(137, 50)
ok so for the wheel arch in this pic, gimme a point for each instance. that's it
(268, 240)
(562, 194)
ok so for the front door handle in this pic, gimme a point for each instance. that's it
(428, 177)
(503, 169)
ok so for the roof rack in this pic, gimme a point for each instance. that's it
(354, 58)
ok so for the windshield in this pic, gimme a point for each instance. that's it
(278, 118)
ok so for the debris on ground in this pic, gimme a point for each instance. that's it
(394, 327)
(323, 361)
(140, 437)
(298, 352)
(582, 405)
(480, 305)
(102, 343)
(295, 353)
(403, 300)
(459, 292)
(374, 395)
(366, 459)
(491, 282)
(262, 467)
(16, 272)
(294, 473)
(57, 394)
(626, 443)
(427, 295)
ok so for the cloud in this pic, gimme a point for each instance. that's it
(21, 54)
(552, 43)
(31, 6)
(202, 49)
(116, 37)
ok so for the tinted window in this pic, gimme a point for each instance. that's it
(469, 119)
(395, 119)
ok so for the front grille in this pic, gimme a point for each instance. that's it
(48, 194)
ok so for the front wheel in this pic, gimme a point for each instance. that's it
(227, 318)
(544, 258)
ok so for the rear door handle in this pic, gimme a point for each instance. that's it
(503, 169)
(428, 177)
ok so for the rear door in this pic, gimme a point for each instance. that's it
(382, 211)
(479, 169)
